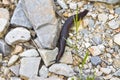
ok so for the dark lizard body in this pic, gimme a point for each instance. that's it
(64, 33)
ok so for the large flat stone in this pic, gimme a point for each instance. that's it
(19, 18)
(43, 20)
(48, 56)
(29, 67)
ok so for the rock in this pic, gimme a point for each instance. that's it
(4, 13)
(105, 70)
(6, 2)
(44, 71)
(37, 78)
(111, 17)
(107, 1)
(113, 24)
(15, 69)
(4, 21)
(14, 78)
(117, 10)
(48, 55)
(91, 23)
(115, 78)
(29, 67)
(73, 5)
(117, 73)
(1, 57)
(18, 49)
(72, 78)
(94, 50)
(4, 48)
(62, 4)
(13, 59)
(6, 71)
(117, 38)
(19, 18)
(17, 35)
(95, 60)
(62, 69)
(65, 57)
(3, 26)
(1, 78)
(108, 77)
(116, 63)
(103, 17)
(97, 40)
(43, 20)
(30, 53)
(53, 78)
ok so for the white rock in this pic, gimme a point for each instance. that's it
(62, 69)
(48, 55)
(72, 78)
(113, 24)
(53, 78)
(13, 59)
(73, 5)
(4, 21)
(65, 57)
(111, 16)
(30, 53)
(115, 78)
(117, 38)
(103, 17)
(29, 67)
(62, 4)
(17, 35)
(6, 71)
(94, 50)
(105, 70)
(3, 26)
(43, 71)
(15, 69)
(14, 78)
(4, 13)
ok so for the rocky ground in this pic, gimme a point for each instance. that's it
(28, 39)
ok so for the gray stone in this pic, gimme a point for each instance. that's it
(117, 10)
(107, 1)
(48, 56)
(95, 60)
(15, 69)
(105, 70)
(29, 67)
(19, 18)
(113, 24)
(37, 78)
(62, 4)
(62, 69)
(30, 53)
(65, 57)
(117, 38)
(73, 5)
(44, 71)
(53, 78)
(16, 35)
(13, 59)
(97, 40)
(116, 63)
(15, 78)
(4, 21)
(4, 48)
(117, 73)
(94, 50)
(43, 20)
(91, 23)
(102, 17)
